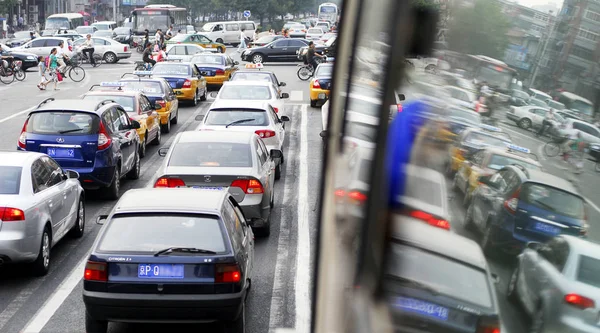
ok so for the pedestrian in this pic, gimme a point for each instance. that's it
(162, 54)
(32, 35)
(157, 36)
(53, 66)
(169, 34)
(20, 22)
(146, 37)
(43, 71)
(242, 41)
(286, 33)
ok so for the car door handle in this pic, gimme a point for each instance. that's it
(65, 195)
(50, 204)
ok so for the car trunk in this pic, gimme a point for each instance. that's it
(325, 83)
(209, 71)
(176, 82)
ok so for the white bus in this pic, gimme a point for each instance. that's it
(328, 12)
(577, 103)
(68, 21)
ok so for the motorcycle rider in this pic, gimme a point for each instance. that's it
(147, 55)
(547, 123)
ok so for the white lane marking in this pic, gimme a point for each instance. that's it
(522, 135)
(297, 96)
(303, 249)
(16, 115)
(592, 204)
(279, 293)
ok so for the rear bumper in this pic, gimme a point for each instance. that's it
(570, 324)
(216, 80)
(319, 95)
(253, 209)
(512, 116)
(165, 116)
(93, 178)
(17, 247)
(124, 55)
(184, 94)
(155, 308)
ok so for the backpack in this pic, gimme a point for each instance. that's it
(47, 61)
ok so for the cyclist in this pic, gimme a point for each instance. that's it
(147, 55)
(63, 59)
(87, 48)
(311, 54)
(573, 143)
(5, 58)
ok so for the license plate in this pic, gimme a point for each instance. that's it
(421, 307)
(208, 187)
(160, 271)
(546, 228)
(61, 152)
(173, 84)
(322, 96)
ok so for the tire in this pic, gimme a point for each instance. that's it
(98, 59)
(176, 118)
(142, 149)
(278, 172)
(166, 128)
(41, 265)
(8, 79)
(313, 104)
(468, 224)
(157, 139)
(140, 48)
(485, 242)
(20, 75)
(139, 68)
(431, 69)
(511, 290)
(110, 58)
(134, 173)
(195, 100)
(524, 123)
(551, 149)
(77, 73)
(222, 49)
(112, 192)
(95, 326)
(203, 97)
(219, 40)
(258, 58)
(239, 324)
(79, 227)
(304, 73)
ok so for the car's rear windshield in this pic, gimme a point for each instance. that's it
(225, 117)
(315, 31)
(10, 179)
(588, 271)
(258, 76)
(155, 232)
(324, 71)
(424, 190)
(482, 139)
(248, 92)
(208, 59)
(147, 87)
(445, 276)
(63, 122)
(127, 102)
(554, 200)
(498, 162)
(171, 69)
(122, 30)
(211, 154)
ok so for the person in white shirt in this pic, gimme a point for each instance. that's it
(242, 41)
(87, 48)
(548, 122)
(62, 57)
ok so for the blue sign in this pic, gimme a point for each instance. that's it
(247, 13)
(518, 148)
(94, 13)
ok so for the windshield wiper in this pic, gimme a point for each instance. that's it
(239, 122)
(71, 130)
(545, 205)
(413, 283)
(183, 250)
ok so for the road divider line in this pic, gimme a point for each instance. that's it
(592, 204)
(16, 114)
(303, 251)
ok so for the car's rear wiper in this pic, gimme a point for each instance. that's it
(183, 250)
(239, 122)
(71, 130)
(413, 283)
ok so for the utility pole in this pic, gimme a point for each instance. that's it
(115, 10)
(550, 30)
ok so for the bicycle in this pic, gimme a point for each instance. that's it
(306, 71)
(72, 69)
(572, 157)
(9, 73)
(555, 146)
(83, 59)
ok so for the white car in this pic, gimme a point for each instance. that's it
(252, 116)
(41, 46)
(41, 203)
(314, 34)
(462, 97)
(297, 31)
(252, 91)
(589, 132)
(185, 52)
(323, 25)
(110, 50)
(531, 116)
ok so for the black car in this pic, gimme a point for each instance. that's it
(262, 41)
(280, 50)
(124, 35)
(18, 39)
(29, 59)
(327, 49)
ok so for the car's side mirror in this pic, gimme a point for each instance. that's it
(285, 95)
(135, 124)
(535, 246)
(285, 118)
(157, 106)
(323, 134)
(162, 152)
(199, 117)
(72, 174)
(236, 62)
(275, 154)
(100, 219)
(282, 84)
(401, 97)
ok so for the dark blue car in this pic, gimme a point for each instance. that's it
(516, 205)
(96, 139)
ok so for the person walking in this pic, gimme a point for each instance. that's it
(242, 41)
(42, 71)
(53, 66)
(20, 22)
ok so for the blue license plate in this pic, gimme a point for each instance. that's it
(546, 228)
(173, 84)
(61, 152)
(421, 307)
(160, 271)
(216, 188)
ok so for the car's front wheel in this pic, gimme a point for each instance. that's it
(258, 58)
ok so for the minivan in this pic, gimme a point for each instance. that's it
(228, 32)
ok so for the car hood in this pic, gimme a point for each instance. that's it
(22, 54)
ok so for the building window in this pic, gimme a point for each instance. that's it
(541, 17)
(582, 52)
(591, 15)
(583, 33)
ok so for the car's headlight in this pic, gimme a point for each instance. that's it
(595, 147)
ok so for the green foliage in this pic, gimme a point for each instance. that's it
(6, 5)
(480, 29)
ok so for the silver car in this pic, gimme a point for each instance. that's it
(41, 203)
(239, 161)
(558, 283)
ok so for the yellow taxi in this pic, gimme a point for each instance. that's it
(486, 162)
(215, 68)
(137, 106)
(468, 142)
(184, 78)
(320, 84)
(197, 39)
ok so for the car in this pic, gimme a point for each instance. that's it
(215, 68)
(109, 49)
(105, 25)
(41, 46)
(86, 29)
(486, 162)
(197, 39)
(185, 79)
(253, 91)
(237, 161)
(249, 116)
(518, 98)
(537, 102)
(327, 49)
(517, 205)
(123, 35)
(19, 38)
(28, 60)
(137, 106)
(289, 24)
(456, 119)
(41, 203)
(327, 36)
(185, 52)
(183, 255)
(554, 104)
(470, 141)
(556, 283)
(297, 31)
(250, 74)
(264, 40)
(278, 50)
(325, 26)
(462, 97)
(531, 117)
(158, 91)
(539, 95)
(72, 36)
(589, 132)
(568, 114)
(104, 34)
(438, 281)
(96, 139)
(320, 84)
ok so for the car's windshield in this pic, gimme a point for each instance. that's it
(468, 115)
(147, 87)
(10, 179)
(63, 122)
(497, 162)
(127, 102)
(246, 92)
(324, 71)
(170, 69)
(226, 117)
(553, 200)
(211, 154)
(315, 31)
(424, 190)
(252, 76)
(208, 59)
(480, 139)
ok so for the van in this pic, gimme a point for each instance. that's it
(105, 25)
(229, 32)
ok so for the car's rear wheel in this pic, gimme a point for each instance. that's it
(278, 171)
(195, 100)
(176, 118)
(486, 239)
(95, 326)
(143, 146)
(156, 140)
(239, 324)
(313, 104)
(524, 123)
(41, 265)
(219, 40)
(166, 128)
(79, 227)
(113, 190)
(110, 58)
(134, 173)
(203, 97)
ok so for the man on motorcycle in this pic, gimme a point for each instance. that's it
(147, 56)
(311, 54)
(547, 123)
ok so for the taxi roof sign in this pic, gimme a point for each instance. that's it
(518, 148)
(255, 66)
(490, 128)
(112, 84)
(142, 73)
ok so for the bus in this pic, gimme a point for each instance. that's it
(328, 12)
(577, 103)
(68, 21)
(153, 17)
(498, 75)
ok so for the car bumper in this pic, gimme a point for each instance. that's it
(162, 308)
(253, 209)
(16, 246)
(512, 116)
(216, 80)
(165, 116)
(93, 178)
(569, 324)
(319, 95)
(124, 55)
(184, 94)
(29, 64)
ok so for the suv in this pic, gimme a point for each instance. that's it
(517, 205)
(41, 46)
(96, 139)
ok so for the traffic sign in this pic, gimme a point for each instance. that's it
(247, 13)
(94, 13)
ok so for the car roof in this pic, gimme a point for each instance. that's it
(546, 178)
(437, 240)
(171, 200)
(108, 91)
(239, 104)
(69, 105)
(17, 158)
(248, 83)
(217, 136)
(582, 122)
(252, 71)
(582, 246)
(505, 152)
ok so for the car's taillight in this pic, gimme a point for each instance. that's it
(187, 84)
(579, 301)
(430, 219)
(249, 186)
(125, 49)
(399, 107)
(316, 84)
(511, 203)
(356, 197)
(488, 329)
(169, 182)
(96, 271)
(276, 109)
(162, 103)
(23, 137)
(104, 139)
(227, 273)
(265, 133)
(220, 72)
(8, 214)
(70, 48)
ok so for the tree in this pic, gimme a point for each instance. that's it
(480, 29)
